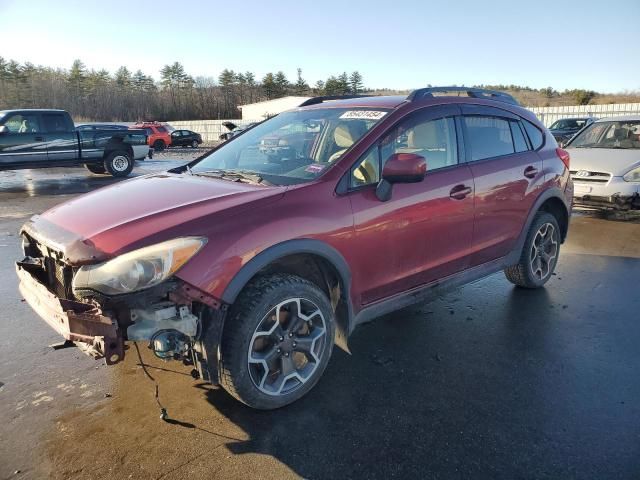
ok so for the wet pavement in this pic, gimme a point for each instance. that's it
(487, 382)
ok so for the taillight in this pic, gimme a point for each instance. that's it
(564, 156)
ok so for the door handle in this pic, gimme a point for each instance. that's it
(459, 192)
(39, 139)
(530, 172)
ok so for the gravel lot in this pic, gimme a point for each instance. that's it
(487, 382)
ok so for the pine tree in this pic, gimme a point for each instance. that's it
(300, 87)
(77, 77)
(123, 77)
(282, 84)
(343, 84)
(355, 83)
(269, 86)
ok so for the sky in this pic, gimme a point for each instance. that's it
(399, 44)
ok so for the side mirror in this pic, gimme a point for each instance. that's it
(400, 168)
(4, 129)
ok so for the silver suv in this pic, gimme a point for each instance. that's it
(605, 164)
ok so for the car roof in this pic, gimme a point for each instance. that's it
(32, 110)
(620, 118)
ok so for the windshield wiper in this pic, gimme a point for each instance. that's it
(246, 176)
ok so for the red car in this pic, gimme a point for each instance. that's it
(252, 261)
(158, 134)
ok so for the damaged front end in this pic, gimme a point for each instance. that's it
(177, 320)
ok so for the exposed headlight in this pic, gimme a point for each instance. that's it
(632, 176)
(139, 269)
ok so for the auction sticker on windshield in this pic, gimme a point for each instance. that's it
(363, 115)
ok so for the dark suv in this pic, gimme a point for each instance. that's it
(253, 260)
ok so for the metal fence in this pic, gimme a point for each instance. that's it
(548, 115)
(212, 129)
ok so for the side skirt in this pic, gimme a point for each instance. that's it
(431, 290)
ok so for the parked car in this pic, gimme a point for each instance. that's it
(234, 129)
(259, 261)
(606, 164)
(159, 134)
(565, 128)
(49, 138)
(140, 152)
(185, 138)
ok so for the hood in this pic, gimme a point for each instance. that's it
(616, 161)
(142, 211)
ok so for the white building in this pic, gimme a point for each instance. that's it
(261, 110)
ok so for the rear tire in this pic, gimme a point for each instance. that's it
(97, 169)
(118, 163)
(539, 255)
(159, 145)
(277, 341)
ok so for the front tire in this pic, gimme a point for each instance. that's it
(276, 342)
(118, 163)
(194, 144)
(159, 145)
(539, 255)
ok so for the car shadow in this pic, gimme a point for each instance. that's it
(421, 396)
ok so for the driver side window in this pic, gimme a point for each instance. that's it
(435, 140)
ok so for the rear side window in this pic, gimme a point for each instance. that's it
(519, 141)
(535, 135)
(55, 122)
(162, 129)
(488, 137)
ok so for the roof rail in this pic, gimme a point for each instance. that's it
(325, 98)
(469, 91)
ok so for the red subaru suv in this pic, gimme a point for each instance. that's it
(255, 259)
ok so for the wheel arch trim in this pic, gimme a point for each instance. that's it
(288, 248)
(548, 194)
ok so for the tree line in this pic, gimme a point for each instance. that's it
(99, 95)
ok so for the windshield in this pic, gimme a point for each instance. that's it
(568, 124)
(293, 147)
(624, 134)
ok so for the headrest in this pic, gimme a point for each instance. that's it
(423, 136)
(347, 133)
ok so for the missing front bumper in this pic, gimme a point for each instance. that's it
(95, 332)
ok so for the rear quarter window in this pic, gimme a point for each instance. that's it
(519, 141)
(162, 129)
(535, 135)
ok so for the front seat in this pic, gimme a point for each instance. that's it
(346, 135)
(425, 140)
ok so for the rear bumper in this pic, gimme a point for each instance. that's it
(95, 332)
